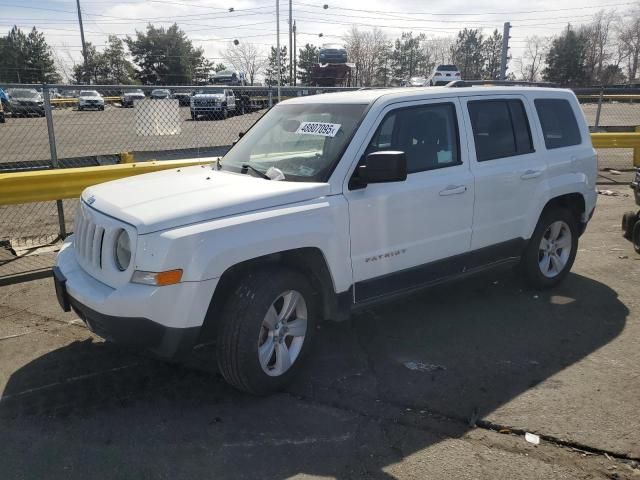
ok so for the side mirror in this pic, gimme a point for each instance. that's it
(383, 167)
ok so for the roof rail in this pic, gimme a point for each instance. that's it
(471, 83)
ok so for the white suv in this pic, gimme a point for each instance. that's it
(444, 74)
(329, 203)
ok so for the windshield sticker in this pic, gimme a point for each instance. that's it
(318, 128)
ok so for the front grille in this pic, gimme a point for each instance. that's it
(89, 239)
(204, 102)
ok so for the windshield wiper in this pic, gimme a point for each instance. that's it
(246, 167)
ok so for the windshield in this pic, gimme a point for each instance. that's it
(160, 92)
(304, 141)
(24, 93)
(210, 91)
(89, 93)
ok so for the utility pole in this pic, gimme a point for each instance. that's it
(278, 62)
(295, 56)
(84, 45)
(290, 42)
(505, 50)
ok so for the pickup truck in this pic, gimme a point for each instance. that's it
(329, 204)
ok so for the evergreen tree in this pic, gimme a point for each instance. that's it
(407, 58)
(219, 67)
(167, 56)
(307, 58)
(26, 58)
(271, 73)
(468, 54)
(566, 60)
(492, 52)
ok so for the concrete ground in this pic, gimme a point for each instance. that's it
(441, 384)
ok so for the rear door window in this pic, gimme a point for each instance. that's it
(559, 124)
(500, 128)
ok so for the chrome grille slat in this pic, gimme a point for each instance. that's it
(97, 246)
(91, 231)
(89, 240)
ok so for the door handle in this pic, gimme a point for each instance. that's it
(529, 174)
(453, 190)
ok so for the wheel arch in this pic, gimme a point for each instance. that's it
(572, 201)
(310, 261)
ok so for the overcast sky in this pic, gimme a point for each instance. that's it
(210, 25)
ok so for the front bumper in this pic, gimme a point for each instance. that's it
(39, 109)
(208, 109)
(91, 105)
(164, 320)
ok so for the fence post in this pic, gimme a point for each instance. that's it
(599, 107)
(636, 153)
(54, 155)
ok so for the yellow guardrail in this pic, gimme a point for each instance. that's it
(619, 140)
(44, 185)
(57, 184)
(73, 101)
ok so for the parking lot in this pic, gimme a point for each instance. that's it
(112, 131)
(443, 383)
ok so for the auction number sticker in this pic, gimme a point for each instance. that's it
(318, 128)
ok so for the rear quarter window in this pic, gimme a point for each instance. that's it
(559, 124)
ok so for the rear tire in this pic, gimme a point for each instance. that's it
(551, 251)
(628, 222)
(635, 237)
(266, 330)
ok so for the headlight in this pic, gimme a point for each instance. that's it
(123, 250)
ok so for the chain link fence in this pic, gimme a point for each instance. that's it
(66, 126)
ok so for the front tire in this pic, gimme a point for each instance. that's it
(552, 249)
(266, 330)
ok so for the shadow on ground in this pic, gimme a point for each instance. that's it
(437, 360)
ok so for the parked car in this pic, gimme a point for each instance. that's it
(332, 53)
(417, 82)
(4, 99)
(631, 219)
(25, 101)
(327, 204)
(444, 74)
(160, 93)
(213, 101)
(184, 98)
(90, 99)
(129, 97)
(230, 78)
(2, 119)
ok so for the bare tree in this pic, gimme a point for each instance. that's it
(247, 58)
(441, 48)
(629, 41)
(369, 51)
(597, 36)
(532, 60)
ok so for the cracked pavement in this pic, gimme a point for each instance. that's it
(418, 388)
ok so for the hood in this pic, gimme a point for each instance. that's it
(17, 98)
(87, 97)
(171, 198)
(209, 95)
(133, 94)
